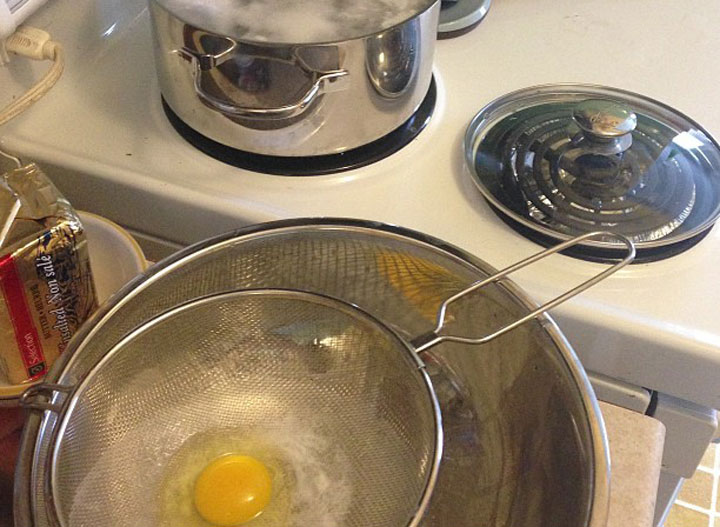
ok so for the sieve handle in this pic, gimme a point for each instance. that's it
(425, 342)
(38, 397)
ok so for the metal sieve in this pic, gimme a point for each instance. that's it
(305, 319)
(249, 361)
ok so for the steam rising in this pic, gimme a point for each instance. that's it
(295, 21)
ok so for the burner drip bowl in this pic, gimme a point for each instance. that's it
(311, 165)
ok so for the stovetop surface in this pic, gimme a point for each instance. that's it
(103, 136)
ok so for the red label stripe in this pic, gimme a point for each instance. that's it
(26, 334)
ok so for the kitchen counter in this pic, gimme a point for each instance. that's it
(636, 443)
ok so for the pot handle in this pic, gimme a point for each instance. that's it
(425, 342)
(325, 82)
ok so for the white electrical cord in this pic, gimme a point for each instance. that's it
(35, 44)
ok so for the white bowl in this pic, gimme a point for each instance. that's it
(115, 258)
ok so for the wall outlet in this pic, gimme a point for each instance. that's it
(14, 12)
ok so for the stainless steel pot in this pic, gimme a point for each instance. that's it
(524, 441)
(293, 99)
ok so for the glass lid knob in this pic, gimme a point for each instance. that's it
(596, 161)
(602, 119)
(606, 126)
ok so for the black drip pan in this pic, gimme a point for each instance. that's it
(599, 254)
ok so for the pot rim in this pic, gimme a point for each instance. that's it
(270, 43)
(36, 424)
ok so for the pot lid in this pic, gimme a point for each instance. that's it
(568, 159)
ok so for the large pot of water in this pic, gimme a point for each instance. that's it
(288, 78)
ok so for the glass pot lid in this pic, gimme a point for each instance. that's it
(568, 159)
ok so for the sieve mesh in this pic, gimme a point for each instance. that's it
(249, 361)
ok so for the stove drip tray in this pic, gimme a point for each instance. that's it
(599, 254)
(311, 165)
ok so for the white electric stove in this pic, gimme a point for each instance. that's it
(649, 336)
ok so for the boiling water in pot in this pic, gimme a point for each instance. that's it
(295, 21)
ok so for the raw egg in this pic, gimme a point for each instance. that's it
(289, 475)
(232, 490)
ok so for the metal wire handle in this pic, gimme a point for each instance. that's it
(425, 342)
(39, 397)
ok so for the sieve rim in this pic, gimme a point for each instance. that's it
(65, 414)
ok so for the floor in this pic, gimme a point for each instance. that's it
(698, 504)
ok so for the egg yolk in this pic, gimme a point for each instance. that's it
(232, 490)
